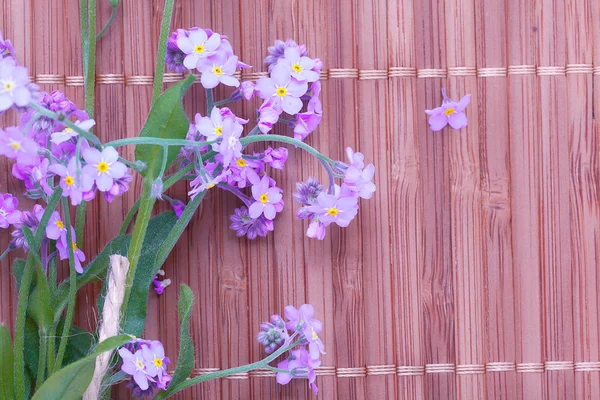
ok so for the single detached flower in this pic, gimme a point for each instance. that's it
(63, 250)
(218, 68)
(68, 133)
(266, 197)
(104, 167)
(15, 145)
(283, 91)
(14, 85)
(300, 67)
(449, 112)
(197, 45)
(9, 215)
(74, 181)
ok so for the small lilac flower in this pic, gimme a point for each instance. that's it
(306, 123)
(156, 362)
(6, 48)
(197, 45)
(178, 207)
(119, 187)
(104, 167)
(316, 230)
(314, 103)
(174, 57)
(227, 113)
(284, 91)
(204, 182)
(160, 285)
(298, 66)
(134, 364)
(301, 318)
(218, 68)
(277, 52)
(211, 127)
(266, 197)
(31, 221)
(335, 208)
(299, 365)
(63, 250)
(14, 145)
(276, 158)
(56, 227)
(243, 172)
(74, 182)
(68, 133)
(230, 145)
(356, 159)
(245, 225)
(267, 118)
(14, 85)
(9, 215)
(35, 178)
(247, 89)
(307, 192)
(449, 112)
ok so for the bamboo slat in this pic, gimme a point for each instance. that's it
(473, 271)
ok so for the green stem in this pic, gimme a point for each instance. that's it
(84, 29)
(51, 349)
(52, 266)
(162, 49)
(156, 141)
(210, 104)
(80, 222)
(90, 78)
(88, 135)
(72, 290)
(113, 14)
(5, 253)
(288, 140)
(226, 372)
(41, 372)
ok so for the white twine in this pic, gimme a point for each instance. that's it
(109, 327)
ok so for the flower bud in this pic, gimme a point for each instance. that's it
(157, 189)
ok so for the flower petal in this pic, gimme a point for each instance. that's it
(291, 105)
(255, 210)
(438, 122)
(209, 79)
(458, 120)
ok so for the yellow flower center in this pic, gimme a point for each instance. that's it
(264, 198)
(102, 167)
(314, 335)
(333, 211)
(219, 130)
(241, 162)
(281, 92)
(158, 362)
(139, 364)
(217, 71)
(199, 49)
(8, 86)
(15, 145)
(69, 180)
(59, 224)
(210, 186)
(449, 112)
(297, 68)
(74, 245)
(69, 130)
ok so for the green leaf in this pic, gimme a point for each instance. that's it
(6, 364)
(40, 305)
(166, 120)
(185, 359)
(94, 271)
(18, 269)
(135, 314)
(70, 382)
(78, 345)
(32, 345)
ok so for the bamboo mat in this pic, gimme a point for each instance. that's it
(473, 273)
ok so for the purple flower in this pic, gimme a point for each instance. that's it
(156, 362)
(300, 67)
(13, 144)
(277, 52)
(449, 112)
(243, 172)
(306, 123)
(218, 68)
(174, 57)
(31, 221)
(230, 145)
(211, 127)
(273, 334)
(266, 197)
(104, 167)
(358, 179)
(284, 91)
(35, 178)
(9, 215)
(247, 89)
(14, 85)
(63, 250)
(335, 208)
(205, 181)
(268, 117)
(245, 225)
(276, 158)
(160, 286)
(301, 318)
(307, 192)
(134, 364)
(6, 48)
(68, 133)
(74, 182)
(56, 227)
(178, 207)
(314, 104)
(119, 187)
(356, 159)
(197, 45)
(316, 230)
(299, 365)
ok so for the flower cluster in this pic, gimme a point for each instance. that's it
(145, 362)
(300, 336)
(48, 153)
